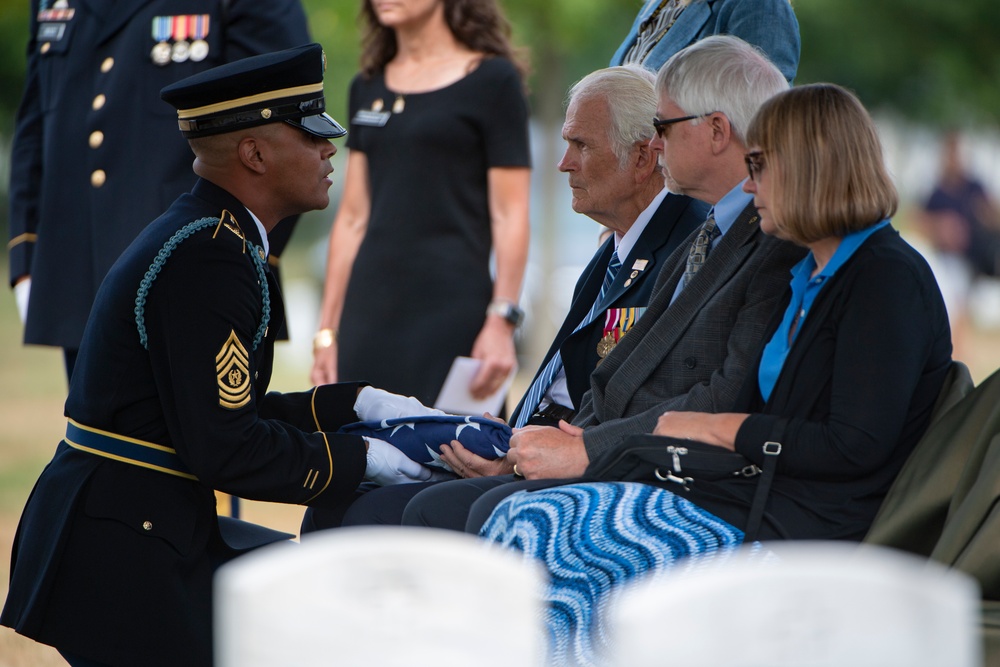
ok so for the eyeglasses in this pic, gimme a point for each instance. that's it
(755, 163)
(663, 126)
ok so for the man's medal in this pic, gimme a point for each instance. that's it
(182, 49)
(161, 32)
(199, 47)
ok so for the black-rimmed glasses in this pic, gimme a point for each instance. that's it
(755, 163)
(663, 126)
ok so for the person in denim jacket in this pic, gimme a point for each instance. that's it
(664, 27)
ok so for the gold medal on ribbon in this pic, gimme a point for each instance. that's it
(617, 323)
(610, 337)
(606, 344)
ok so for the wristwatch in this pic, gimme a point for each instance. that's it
(507, 311)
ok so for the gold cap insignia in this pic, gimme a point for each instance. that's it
(232, 369)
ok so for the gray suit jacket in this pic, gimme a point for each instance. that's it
(694, 354)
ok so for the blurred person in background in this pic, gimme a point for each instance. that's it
(437, 178)
(90, 114)
(962, 223)
(664, 27)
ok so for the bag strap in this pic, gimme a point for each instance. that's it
(771, 452)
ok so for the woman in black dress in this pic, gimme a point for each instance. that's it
(437, 178)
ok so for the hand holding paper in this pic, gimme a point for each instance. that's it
(456, 398)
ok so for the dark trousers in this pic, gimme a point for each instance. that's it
(466, 504)
(371, 505)
(376, 506)
(449, 504)
(460, 504)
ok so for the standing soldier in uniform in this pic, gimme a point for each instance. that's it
(96, 154)
(113, 559)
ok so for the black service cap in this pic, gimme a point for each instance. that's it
(282, 86)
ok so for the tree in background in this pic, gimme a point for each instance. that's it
(932, 62)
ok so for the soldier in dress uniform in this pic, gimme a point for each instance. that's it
(113, 559)
(96, 152)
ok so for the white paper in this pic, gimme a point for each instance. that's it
(455, 397)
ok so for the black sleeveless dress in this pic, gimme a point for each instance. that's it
(420, 283)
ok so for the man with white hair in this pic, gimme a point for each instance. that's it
(616, 180)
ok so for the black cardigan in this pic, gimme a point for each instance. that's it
(853, 398)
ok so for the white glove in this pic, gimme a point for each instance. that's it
(21, 292)
(387, 465)
(377, 404)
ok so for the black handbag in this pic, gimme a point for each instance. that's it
(646, 458)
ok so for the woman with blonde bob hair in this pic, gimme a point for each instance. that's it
(839, 184)
(844, 384)
(856, 354)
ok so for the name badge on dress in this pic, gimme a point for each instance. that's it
(371, 118)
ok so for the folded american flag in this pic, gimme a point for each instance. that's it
(420, 438)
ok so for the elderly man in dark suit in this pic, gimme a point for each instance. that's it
(97, 151)
(616, 180)
(709, 308)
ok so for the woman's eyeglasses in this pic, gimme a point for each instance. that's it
(755, 163)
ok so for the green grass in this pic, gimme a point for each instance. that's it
(32, 390)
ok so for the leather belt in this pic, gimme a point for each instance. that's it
(552, 413)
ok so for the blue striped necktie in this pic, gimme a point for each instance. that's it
(544, 380)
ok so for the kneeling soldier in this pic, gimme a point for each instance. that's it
(113, 559)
